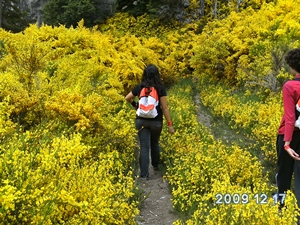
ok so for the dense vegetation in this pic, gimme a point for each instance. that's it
(67, 135)
(12, 17)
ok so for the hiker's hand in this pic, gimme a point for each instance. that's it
(293, 154)
(172, 131)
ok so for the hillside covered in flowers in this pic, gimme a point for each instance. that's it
(67, 136)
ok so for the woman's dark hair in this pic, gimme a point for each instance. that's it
(151, 77)
(293, 59)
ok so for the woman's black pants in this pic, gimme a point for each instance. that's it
(287, 166)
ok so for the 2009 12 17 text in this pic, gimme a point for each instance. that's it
(258, 198)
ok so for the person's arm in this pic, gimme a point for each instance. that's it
(130, 98)
(291, 151)
(289, 111)
(289, 115)
(165, 110)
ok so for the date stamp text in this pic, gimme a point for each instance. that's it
(258, 198)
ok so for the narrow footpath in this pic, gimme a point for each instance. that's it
(157, 207)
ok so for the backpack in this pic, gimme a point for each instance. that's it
(297, 109)
(148, 100)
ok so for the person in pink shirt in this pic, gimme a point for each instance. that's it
(288, 139)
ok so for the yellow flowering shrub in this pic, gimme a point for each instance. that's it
(66, 155)
(247, 47)
(142, 26)
(173, 43)
(255, 118)
(49, 178)
(6, 125)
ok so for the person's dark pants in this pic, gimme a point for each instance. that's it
(149, 133)
(287, 165)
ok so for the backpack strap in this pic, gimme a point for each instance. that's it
(297, 102)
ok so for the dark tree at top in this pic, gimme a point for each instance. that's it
(70, 12)
(12, 18)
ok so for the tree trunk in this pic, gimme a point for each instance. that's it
(215, 10)
(202, 5)
(238, 2)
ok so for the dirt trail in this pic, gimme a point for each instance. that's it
(157, 208)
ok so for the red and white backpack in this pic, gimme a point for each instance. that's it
(297, 123)
(148, 100)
